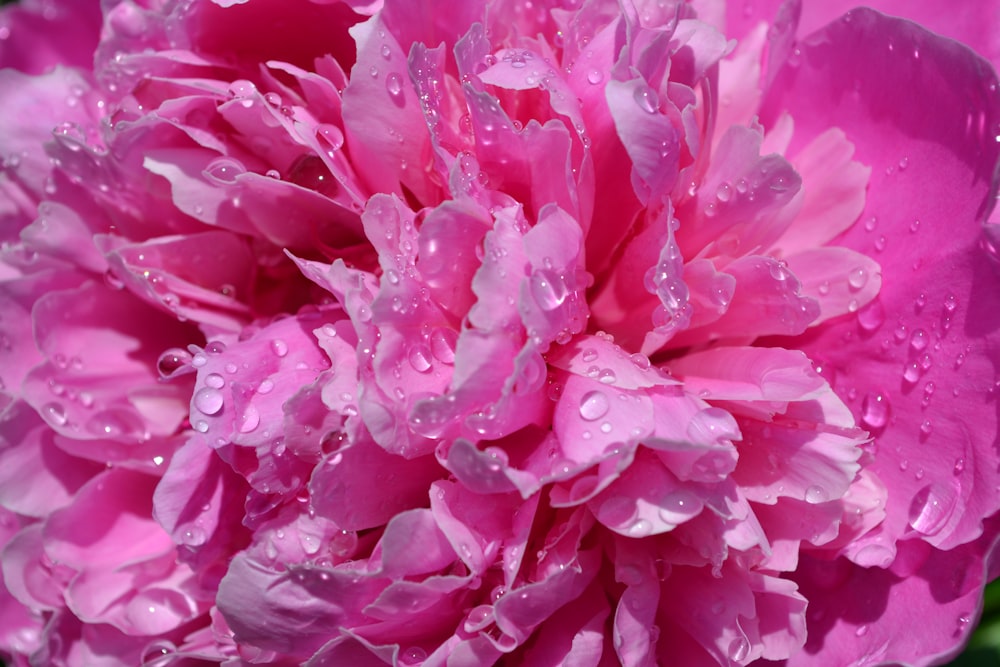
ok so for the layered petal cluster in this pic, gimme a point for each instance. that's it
(588, 332)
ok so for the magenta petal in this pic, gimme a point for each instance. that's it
(916, 377)
(341, 487)
(648, 136)
(867, 611)
(36, 477)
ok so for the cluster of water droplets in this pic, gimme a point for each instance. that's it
(665, 280)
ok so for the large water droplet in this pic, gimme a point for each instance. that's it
(208, 400)
(548, 289)
(330, 135)
(310, 172)
(875, 410)
(816, 495)
(224, 170)
(419, 357)
(871, 316)
(594, 405)
(394, 84)
(249, 420)
(739, 649)
(646, 98)
(712, 425)
(279, 347)
(931, 508)
(412, 655)
(857, 278)
(174, 361)
(443, 342)
(918, 340)
(54, 413)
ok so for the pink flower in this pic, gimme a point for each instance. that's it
(494, 332)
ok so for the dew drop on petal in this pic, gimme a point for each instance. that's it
(918, 340)
(224, 170)
(739, 649)
(394, 84)
(816, 495)
(249, 420)
(872, 316)
(548, 289)
(215, 381)
(279, 347)
(208, 400)
(173, 361)
(640, 528)
(646, 98)
(857, 278)
(330, 135)
(419, 357)
(443, 342)
(931, 509)
(54, 413)
(875, 410)
(412, 655)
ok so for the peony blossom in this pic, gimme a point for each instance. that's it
(520, 332)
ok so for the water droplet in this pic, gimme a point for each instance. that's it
(712, 425)
(875, 410)
(646, 98)
(724, 192)
(857, 278)
(590, 354)
(54, 413)
(739, 649)
(607, 376)
(871, 316)
(816, 495)
(172, 362)
(386, 51)
(926, 427)
(279, 347)
(861, 631)
(194, 536)
(548, 289)
(914, 226)
(394, 84)
(412, 655)
(224, 170)
(959, 466)
(950, 303)
(215, 381)
(249, 420)
(918, 340)
(331, 136)
(911, 372)
(419, 357)
(443, 342)
(931, 509)
(208, 400)
(640, 528)
(594, 77)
